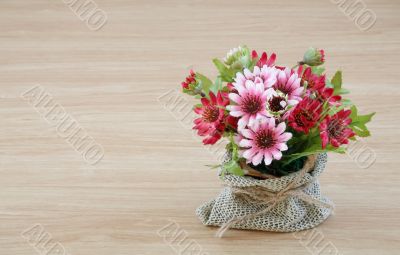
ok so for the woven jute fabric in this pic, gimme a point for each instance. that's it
(241, 203)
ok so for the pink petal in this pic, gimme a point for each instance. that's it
(269, 82)
(246, 143)
(240, 88)
(242, 122)
(277, 154)
(236, 113)
(282, 146)
(250, 85)
(267, 158)
(259, 88)
(280, 128)
(234, 108)
(282, 77)
(235, 98)
(271, 123)
(248, 74)
(285, 137)
(248, 154)
(240, 77)
(247, 133)
(257, 159)
(252, 120)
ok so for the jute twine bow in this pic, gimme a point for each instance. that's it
(262, 195)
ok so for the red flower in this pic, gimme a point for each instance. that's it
(314, 82)
(317, 84)
(305, 115)
(264, 59)
(326, 94)
(212, 120)
(334, 129)
(190, 79)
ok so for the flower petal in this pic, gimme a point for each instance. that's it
(248, 154)
(236, 113)
(285, 137)
(267, 158)
(282, 146)
(247, 133)
(277, 154)
(235, 98)
(280, 128)
(257, 158)
(246, 143)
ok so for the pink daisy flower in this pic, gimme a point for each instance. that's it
(264, 141)
(251, 95)
(289, 83)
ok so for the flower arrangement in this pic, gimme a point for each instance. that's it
(273, 116)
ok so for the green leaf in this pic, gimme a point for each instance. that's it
(337, 82)
(343, 91)
(233, 167)
(313, 145)
(225, 73)
(346, 102)
(336, 109)
(311, 151)
(358, 123)
(234, 148)
(204, 82)
(217, 86)
(317, 70)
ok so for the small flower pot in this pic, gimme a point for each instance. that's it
(285, 204)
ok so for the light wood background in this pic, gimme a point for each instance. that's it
(153, 168)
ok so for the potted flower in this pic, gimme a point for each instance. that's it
(279, 123)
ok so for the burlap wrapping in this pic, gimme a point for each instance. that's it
(300, 207)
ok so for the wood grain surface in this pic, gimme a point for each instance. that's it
(153, 173)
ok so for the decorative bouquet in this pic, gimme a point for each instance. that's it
(279, 122)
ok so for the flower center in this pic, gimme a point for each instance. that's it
(303, 113)
(310, 84)
(335, 128)
(264, 140)
(275, 104)
(252, 104)
(210, 114)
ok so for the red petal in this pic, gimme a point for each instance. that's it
(271, 60)
(213, 98)
(198, 110)
(262, 61)
(254, 54)
(205, 101)
(324, 139)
